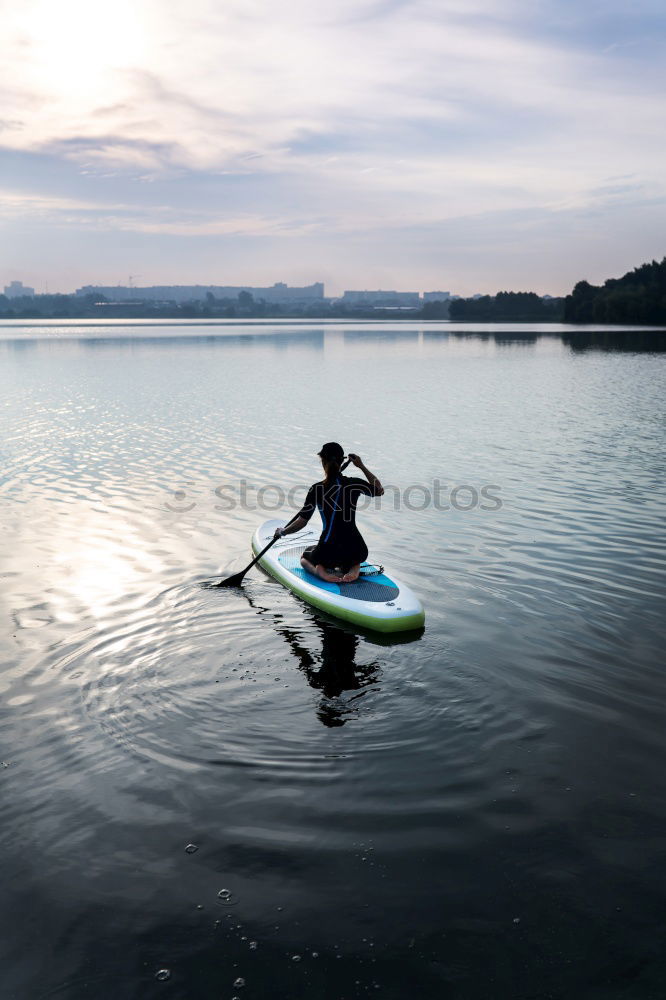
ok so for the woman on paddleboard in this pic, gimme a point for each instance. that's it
(338, 554)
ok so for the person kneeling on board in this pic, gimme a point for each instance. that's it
(337, 556)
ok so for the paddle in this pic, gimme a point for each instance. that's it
(237, 578)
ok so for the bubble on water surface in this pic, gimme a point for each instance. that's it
(163, 975)
(239, 983)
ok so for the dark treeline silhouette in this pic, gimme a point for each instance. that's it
(638, 297)
(507, 307)
(437, 309)
(45, 306)
(99, 308)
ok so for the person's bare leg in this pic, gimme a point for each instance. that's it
(352, 574)
(320, 571)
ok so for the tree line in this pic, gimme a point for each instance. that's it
(243, 306)
(639, 297)
(507, 307)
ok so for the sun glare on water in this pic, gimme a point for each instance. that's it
(99, 562)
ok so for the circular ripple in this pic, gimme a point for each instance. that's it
(196, 690)
(203, 678)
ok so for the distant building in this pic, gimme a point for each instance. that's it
(381, 299)
(436, 296)
(279, 293)
(16, 289)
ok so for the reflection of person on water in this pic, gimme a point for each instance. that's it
(333, 671)
(336, 672)
(337, 556)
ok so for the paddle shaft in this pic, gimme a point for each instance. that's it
(267, 547)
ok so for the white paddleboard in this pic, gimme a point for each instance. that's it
(376, 601)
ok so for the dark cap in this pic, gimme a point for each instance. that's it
(332, 450)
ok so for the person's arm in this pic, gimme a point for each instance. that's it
(302, 518)
(296, 525)
(377, 487)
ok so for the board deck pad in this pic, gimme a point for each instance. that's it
(377, 588)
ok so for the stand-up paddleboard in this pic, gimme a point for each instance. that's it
(375, 601)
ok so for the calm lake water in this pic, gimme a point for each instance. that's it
(476, 812)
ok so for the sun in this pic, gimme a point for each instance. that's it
(76, 51)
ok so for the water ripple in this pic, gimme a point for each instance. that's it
(507, 764)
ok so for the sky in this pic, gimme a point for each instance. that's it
(458, 145)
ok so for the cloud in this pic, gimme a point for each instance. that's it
(155, 219)
(206, 84)
(249, 119)
(15, 204)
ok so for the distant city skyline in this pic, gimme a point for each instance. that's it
(278, 292)
(479, 145)
(16, 287)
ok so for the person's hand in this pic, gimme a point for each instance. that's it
(278, 533)
(355, 460)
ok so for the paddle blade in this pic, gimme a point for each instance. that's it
(232, 581)
(237, 579)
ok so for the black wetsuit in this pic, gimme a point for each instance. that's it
(340, 543)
